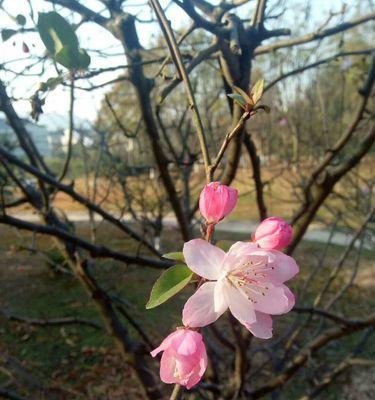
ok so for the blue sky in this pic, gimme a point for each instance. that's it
(93, 37)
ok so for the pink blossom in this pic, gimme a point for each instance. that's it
(216, 201)
(273, 234)
(248, 280)
(283, 122)
(184, 358)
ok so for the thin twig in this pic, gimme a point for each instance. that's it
(228, 137)
(176, 56)
(71, 129)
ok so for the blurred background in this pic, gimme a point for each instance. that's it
(100, 171)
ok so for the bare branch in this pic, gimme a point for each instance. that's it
(315, 35)
(300, 359)
(68, 189)
(94, 250)
(51, 321)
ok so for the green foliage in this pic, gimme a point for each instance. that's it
(50, 84)
(168, 284)
(61, 41)
(238, 99)
(178, 256)
(257, 91)
(7, 34)
(71, 58)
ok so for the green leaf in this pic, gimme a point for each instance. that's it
(61, 41)
(168, 284)
(68, 57)
(21, 20)
(56, 32)
(243, 94)
(238, 99)
(7, 34)
(73, 58)
(83, 59)
(51, 83)
(178, 256)
(257, 91)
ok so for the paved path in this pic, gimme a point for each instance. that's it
(314, 234)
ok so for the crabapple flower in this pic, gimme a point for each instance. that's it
(273, 234)
(184, 358)
(216, 201)
(248, 280)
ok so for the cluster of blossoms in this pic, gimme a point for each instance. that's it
(248, 280)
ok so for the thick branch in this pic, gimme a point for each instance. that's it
(95, 251)
(76, 6)
(257, 177)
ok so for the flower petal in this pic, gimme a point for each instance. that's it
(240, 306)
(291, 298)
(203, 258)
(262, 328)
(276, 299)
(237, 254)
(240, 249)
(220, 302)
(284, 267)
(199, 310)
(199, 370)
(187, 344)
(168, 367)
(167, 342)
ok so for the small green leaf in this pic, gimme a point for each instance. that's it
(238, 99)
(178, 256)
(61, 41)
(21, 20)
(56, 32)
(51, 83)
(83, 59)
(68, 57)
(72, 58)
(243, 94)
(168, 284)
(257, 91)
(7, 34)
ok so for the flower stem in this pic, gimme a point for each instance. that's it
(176, 392)
(209, 232)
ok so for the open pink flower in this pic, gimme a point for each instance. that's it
(216, 201)
(248, 280)
(273, 233)
(184, 358)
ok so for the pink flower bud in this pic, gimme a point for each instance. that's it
(216, 201)
(184, 358)
(273, 234)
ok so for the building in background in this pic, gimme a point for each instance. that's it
(50, 135)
